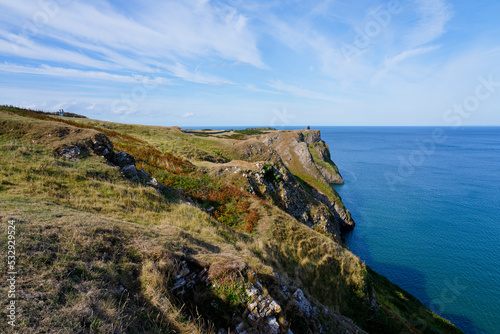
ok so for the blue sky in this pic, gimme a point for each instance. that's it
(269, 63)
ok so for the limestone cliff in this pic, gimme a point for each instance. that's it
(298, 178)
(276, 182)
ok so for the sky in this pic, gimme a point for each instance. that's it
(255, 63)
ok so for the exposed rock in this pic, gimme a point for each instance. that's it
(302, 303)
(261, 312)
(273, 326)
(101, 145)
(295, 145)
(130, 172)
(123, 159)
(342, 215)
(153, 182)
(275, 182)
(96, 142)
(71, 153)
(295, 150)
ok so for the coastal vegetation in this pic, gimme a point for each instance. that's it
(195, 245)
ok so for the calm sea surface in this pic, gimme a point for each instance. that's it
(426, 202)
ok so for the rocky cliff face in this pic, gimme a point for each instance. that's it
(308, 157)
(275, 182)
(298, 178)
(305, 152)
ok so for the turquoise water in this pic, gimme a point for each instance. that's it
(426, 203)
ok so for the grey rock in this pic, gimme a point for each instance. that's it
(130, 172)
(71, 153)
(152, 182)
(274, 327)
(300, 300)
(101, 145)
(123, 159)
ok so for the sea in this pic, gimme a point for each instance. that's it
(426, 202)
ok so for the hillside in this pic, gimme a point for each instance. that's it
(145, 229)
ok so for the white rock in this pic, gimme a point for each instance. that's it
(275, 306)
(301, 301)
(274, 327)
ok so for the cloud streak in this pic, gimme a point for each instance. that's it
(99, 36)
(47, 70)
(432, 18)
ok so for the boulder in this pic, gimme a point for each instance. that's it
(123, 159)
(300, 300)
(71, 153)
(101, 145)
(130, 172)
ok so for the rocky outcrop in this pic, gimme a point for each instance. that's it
(275, 182)
(297, 164)
(95, 142)
(305, 154)
(342, 215)
(99, 144)
(261, 312)
(295, 148)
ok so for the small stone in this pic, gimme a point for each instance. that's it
(275, 306)
(240, 327)
(252, 292)
(130, 171)
(253, 316)
(274, 326)
(301, 301)
(120, 158)
(71, 153)
(252, 306)
(153, 182)
(185, 272)
(179, 283)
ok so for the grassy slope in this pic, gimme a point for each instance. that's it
(97, 251)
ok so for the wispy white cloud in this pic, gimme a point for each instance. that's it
(253, 88)
(408, 54)
(73, 73)
(178, 70)
(431, 24)
(305, 93)
(100, 36)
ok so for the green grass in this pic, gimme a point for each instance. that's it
(328, 165)
(249, 132)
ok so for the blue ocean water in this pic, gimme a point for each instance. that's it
(426, 202)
